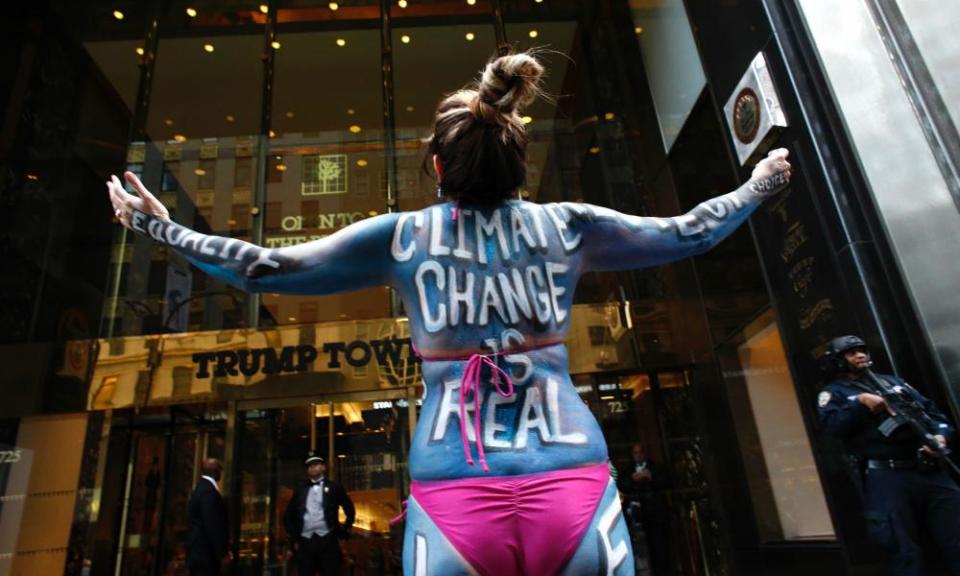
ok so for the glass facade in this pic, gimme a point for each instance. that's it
(285, 121)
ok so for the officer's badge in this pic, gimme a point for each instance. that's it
(824, 398)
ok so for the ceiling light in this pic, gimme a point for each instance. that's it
(334, 6)
(282, 167)
(118, 14)
(471, 2)
(230, 118)
(538, 1)
(275, 45)
(264, 8)
(191, 12)
(140, 51)
(638, 30)
(350, 111)
(409, 108)
(208, 47)
(354, 129)
(289, 114)
(470, 36)
(594, 149)
(405, 39)
(179, 137)
(402, 3)
(361, 162)
(292, 319)
(608, 116)
(527, 119)
(533, 33)
(200, 172)
(341, 42)
(168, 122)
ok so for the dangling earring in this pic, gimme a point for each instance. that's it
(439, 192)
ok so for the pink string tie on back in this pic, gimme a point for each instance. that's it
(470, 381)
(402, 515)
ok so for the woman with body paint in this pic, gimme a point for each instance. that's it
(508, 466)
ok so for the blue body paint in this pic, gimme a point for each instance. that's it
(490, 280)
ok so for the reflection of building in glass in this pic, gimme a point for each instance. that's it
(325, 174)
(283, 123)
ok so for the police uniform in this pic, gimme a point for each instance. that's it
(903, 492)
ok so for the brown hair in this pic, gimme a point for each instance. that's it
(478, 133)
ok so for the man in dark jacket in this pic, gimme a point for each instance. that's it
(207, 550)
(645, 505)
(312, 520)
(905, 488)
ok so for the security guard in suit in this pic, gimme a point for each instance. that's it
(905, 488)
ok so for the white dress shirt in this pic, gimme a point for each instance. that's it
(212, 481)
(313, 520)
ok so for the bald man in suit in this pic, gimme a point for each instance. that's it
(207, 549)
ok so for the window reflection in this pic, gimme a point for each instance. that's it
(199, 94)
(788, 499)
(119, 62)
(199, 156)
(437, 60)
(325, 166)
(459, 9)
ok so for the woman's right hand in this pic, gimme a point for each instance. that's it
(124, 203)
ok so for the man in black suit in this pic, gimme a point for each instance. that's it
(312, 520)
(645, 505)
(207, 550)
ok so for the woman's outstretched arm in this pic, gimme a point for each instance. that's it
(355, 257)
(615, 241)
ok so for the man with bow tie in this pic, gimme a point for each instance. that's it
(312, 520)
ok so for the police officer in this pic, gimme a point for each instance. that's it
(905, 488)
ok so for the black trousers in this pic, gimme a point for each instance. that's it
(900, 503)
(319, 554)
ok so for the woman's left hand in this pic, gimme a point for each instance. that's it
(774, 163)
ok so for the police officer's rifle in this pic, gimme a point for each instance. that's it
(909, 412)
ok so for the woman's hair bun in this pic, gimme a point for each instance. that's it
(510, 82)
(478, 135)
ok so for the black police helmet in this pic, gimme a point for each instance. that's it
(834, 354)
(843, 344)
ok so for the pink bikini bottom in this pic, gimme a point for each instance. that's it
(506, 525)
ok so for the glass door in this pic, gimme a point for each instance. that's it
(365, 443)
(141, 537)
(163, 468)
(371, 462)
